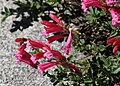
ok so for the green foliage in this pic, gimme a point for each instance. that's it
(5, 14)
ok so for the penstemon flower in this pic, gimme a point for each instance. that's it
(22, 56)
(60, 59)
(55, 37)
(109, 2)
(42, 67)
(115, 41)
(87, 3)
(20, 41)
(37, 44)
(59, 27)
(115, 13)
(52, 27)
(37, 56)
(67, 45)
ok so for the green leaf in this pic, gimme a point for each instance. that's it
(60, 84)
(116, 71)
(82, 41)
(101, 47)
(88, 47)
(107, 63)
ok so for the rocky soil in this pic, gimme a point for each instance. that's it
(13, 73)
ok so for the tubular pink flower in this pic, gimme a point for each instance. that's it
(115, 13)
(67, 45)
(22, 56)
(115, 41)
(77, 70)
(54, 53)
(59, 57)
(48, 30)
(20, 41)
(48, 55)
(87, 3)
(37, 56)
(111, 40)
(37, 44)
(109, 2)
(55, 37)
(42, 67)
(115, 49)
(53, 17)
(48, 24)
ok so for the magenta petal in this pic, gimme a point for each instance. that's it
(44, 33)
(87, 3)
(54, 29)
(48, 55)
(37, 44)
(20, 39)
(48, 24)
(47, 30)
(37, 56)
(55, 37)
(23, 56)
(115, 13)
(43, 67)
(115, 43)
(58, 55)
(54, 53)
(67, 45)
(111, 40)
(115, 49)
(55, 19)
(109, 2)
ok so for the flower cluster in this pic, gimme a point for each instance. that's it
(115, 14)
(50, 27)
(54, 57)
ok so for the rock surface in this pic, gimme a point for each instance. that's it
(14, 73)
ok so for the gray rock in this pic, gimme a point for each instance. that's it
(14, 73)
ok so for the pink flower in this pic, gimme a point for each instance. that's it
(55, 37)
(48, 24)
(115, 13)
(37, 56)
(87, 3)
(42, 67)
(60, 60)
(55, 53)
(51, 27)
(67, 45)
(53, 17)
(109, 2)
(37, 44)
(48, 55)
(20, 41)
(115, 41)
(22, 56)
(48, 30)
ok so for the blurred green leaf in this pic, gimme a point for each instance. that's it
(116, 71)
